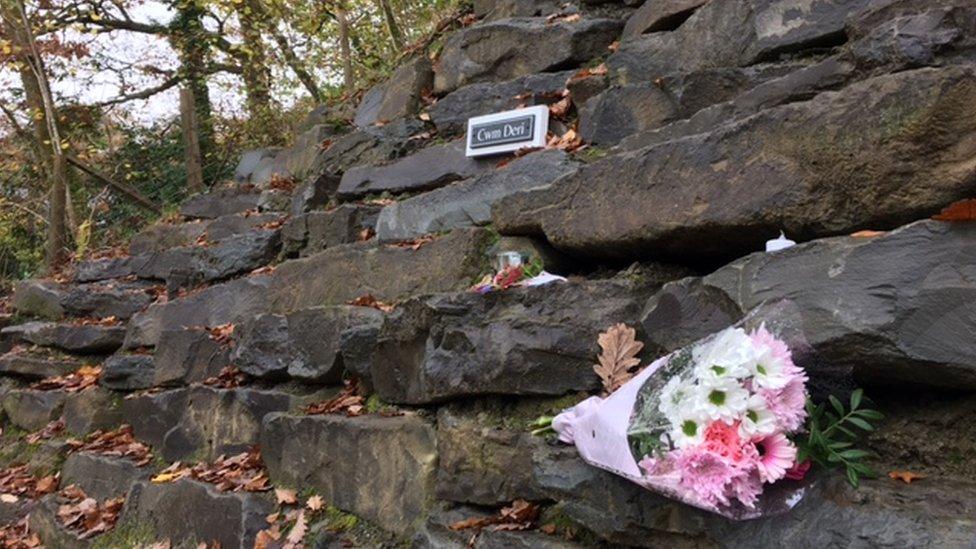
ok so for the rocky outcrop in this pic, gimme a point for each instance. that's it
(378, 468)
(534, 341)
(344, 273)
(876, 154)
(52, 300)
(313, 232)
(83, 339)
(227, 201)
(468, 203)
(305, 344)
(496, 51)
(399, 96)
(893, 309)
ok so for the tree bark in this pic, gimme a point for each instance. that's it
(349, 77)
(191, 141)
(396, 35)
(256, 74)
(190, 40)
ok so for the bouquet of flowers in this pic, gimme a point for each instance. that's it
(709, 424)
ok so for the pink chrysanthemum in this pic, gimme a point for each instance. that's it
(723, 439)
(746, 488)
(706, 474)
(776, 455)
(787, 404)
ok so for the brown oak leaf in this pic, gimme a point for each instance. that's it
(618, 356)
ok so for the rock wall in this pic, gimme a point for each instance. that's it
(709, 126)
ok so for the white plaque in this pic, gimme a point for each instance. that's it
(508, 131)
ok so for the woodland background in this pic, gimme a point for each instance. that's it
(91, 132)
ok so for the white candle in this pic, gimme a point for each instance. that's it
(780, 243)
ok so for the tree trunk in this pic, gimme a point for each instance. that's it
(256, 74)
(191, 42)
(44, 117)
(396, 35)
(304, 76)
(191, 141)
(349, 78)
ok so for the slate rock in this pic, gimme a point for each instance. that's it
(163, 236)
(219, 304)
(37, 364)
(234, 255)
(127, 372)
(380, 468)
(250, 161)
(659, 15)
(187, 355)
(734, 34)
(496, 51)
(346, 272)
(198, 511)
(918, 39)
(44, 522)
(532, 341)
(102, 477)
(40, 298)
(118, 299)
(685, 197)
(299, 160)
(468, 203)
(92, 409)
(104, 269)
(399, 96)
(203, 422)
(451, 113)
(220, 202)
(427, 169)
(303, 345)
(913, 309)
(313, 232)
(73, 338)
(31, 410)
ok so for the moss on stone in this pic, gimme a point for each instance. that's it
(128, 534)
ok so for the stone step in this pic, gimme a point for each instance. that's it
(221, 202)
(83, 411)
(53, 300)
(187, 355)
(82, 339)
(890, 309)
(127, 372)
(437, 533)
(229, 302)
(684, 200)
(100, 476)
(530, 341)
(468, 203)
(429, 168)
(494, 51)
(305, 345)
(344, 273)
(312, 232)
(200, 423)
(380, 468)
(163, 236)
(35, 363)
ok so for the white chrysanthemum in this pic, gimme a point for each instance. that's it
(769, 369)
(730, 354)
(688, 429)
(721, 399)
(675, 396)
(758, 420)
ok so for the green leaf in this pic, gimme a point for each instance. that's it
(856, 398)
(852, 477)
(834, 458)
(860, 423)
(846, 431)
(839, 445)
(870, 414)
(837, 405)
(854, 454)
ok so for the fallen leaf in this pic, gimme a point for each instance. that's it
(424, 116)
(962, 210)
(285, 496)
(561, 108)
(867, 234)
(83, 378)
(614, 46)
(617, 358)
(349, 401)
(315, 503)
(118, 443)
(906, 476)
(520, 515)
(9, 498)
(368, 300)
(298, 531)
(548, 528)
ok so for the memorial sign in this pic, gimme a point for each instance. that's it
(508, 131)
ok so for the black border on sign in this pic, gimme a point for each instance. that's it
(503, 141)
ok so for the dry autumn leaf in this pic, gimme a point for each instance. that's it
(618, 356)
(520, 515)
(962, 210)
(906, 476)
(867, 234)
(368, 300)
(298, 531)
(315, 503)
(286, 496)
(118, 443)
(349, 401)
(84, 377)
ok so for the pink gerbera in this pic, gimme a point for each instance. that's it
(788, 403)
(706, 474)
(776, 455)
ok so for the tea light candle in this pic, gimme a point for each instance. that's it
(780, 243)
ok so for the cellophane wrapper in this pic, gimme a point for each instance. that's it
(628, 434)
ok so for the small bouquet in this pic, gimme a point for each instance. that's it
(709, 424)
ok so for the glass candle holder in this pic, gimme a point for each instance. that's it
(505, 260)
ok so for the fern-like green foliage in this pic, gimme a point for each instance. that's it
(832, 432)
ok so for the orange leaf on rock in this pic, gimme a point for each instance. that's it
(315, 503)
(962, 210)
(618, 356)
(285, 496)
(867, 234)
(906, 476)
